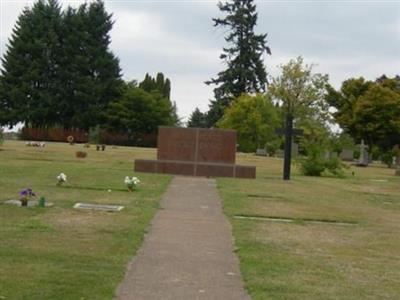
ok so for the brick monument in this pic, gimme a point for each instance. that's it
(196, 152)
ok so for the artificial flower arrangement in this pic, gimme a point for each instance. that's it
(26, 195)
(62, 178)
(131, 183)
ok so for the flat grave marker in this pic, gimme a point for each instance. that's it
(101, 207)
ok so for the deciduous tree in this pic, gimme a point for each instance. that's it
(254, 118)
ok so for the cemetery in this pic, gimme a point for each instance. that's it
(261, 182)
(60, 245)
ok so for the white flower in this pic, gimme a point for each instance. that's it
(131, 182)
(128, 180)
(62, 178)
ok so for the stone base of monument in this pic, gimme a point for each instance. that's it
(191, 168)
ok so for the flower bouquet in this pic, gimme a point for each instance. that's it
(131, 183)
(26, 195)
(62, 178)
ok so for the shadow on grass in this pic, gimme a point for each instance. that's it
(265, 196)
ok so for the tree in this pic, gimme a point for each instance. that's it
(302, 96)
(368, 110)
(161, 85)
(30, 74)
(254, 118)
(344, 102)
(95, 72)
(58, 70)
(376, 116)
(197, 119)
(245, 71)
(138, 111)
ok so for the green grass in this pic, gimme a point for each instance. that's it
(303, 260)
(60, 252)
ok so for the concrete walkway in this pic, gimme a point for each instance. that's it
(188, 253)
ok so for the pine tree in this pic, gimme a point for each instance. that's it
(245, 71)
(30, 75)
(197, 119)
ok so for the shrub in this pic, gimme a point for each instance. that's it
(315, 163)
(81, 154)
(387, 157)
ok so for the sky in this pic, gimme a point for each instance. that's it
(343, 39)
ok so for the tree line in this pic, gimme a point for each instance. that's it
(248, 100)
(58, 71)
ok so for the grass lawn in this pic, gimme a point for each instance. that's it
(308, 260)
(60, 252)
(63, 253)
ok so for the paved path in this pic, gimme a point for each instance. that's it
(188, 253)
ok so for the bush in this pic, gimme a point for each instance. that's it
(387, 157)
(315, 163)
(81, 154)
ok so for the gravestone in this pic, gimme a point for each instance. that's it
(396, 158)
(347, 155)
(364, 160)
(196, 152)
(101, 207)
(261, 152)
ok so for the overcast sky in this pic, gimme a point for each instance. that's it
(344, 38)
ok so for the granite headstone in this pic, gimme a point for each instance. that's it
(196, 152)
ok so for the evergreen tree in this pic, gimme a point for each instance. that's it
(150, 84)
(58, 69)
(245, 71)
(162, 86)
(197, 119)
(30, 74)
(99, 75)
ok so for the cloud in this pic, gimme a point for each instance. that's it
(344, 39)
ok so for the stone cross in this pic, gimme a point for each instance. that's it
(289, 132)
